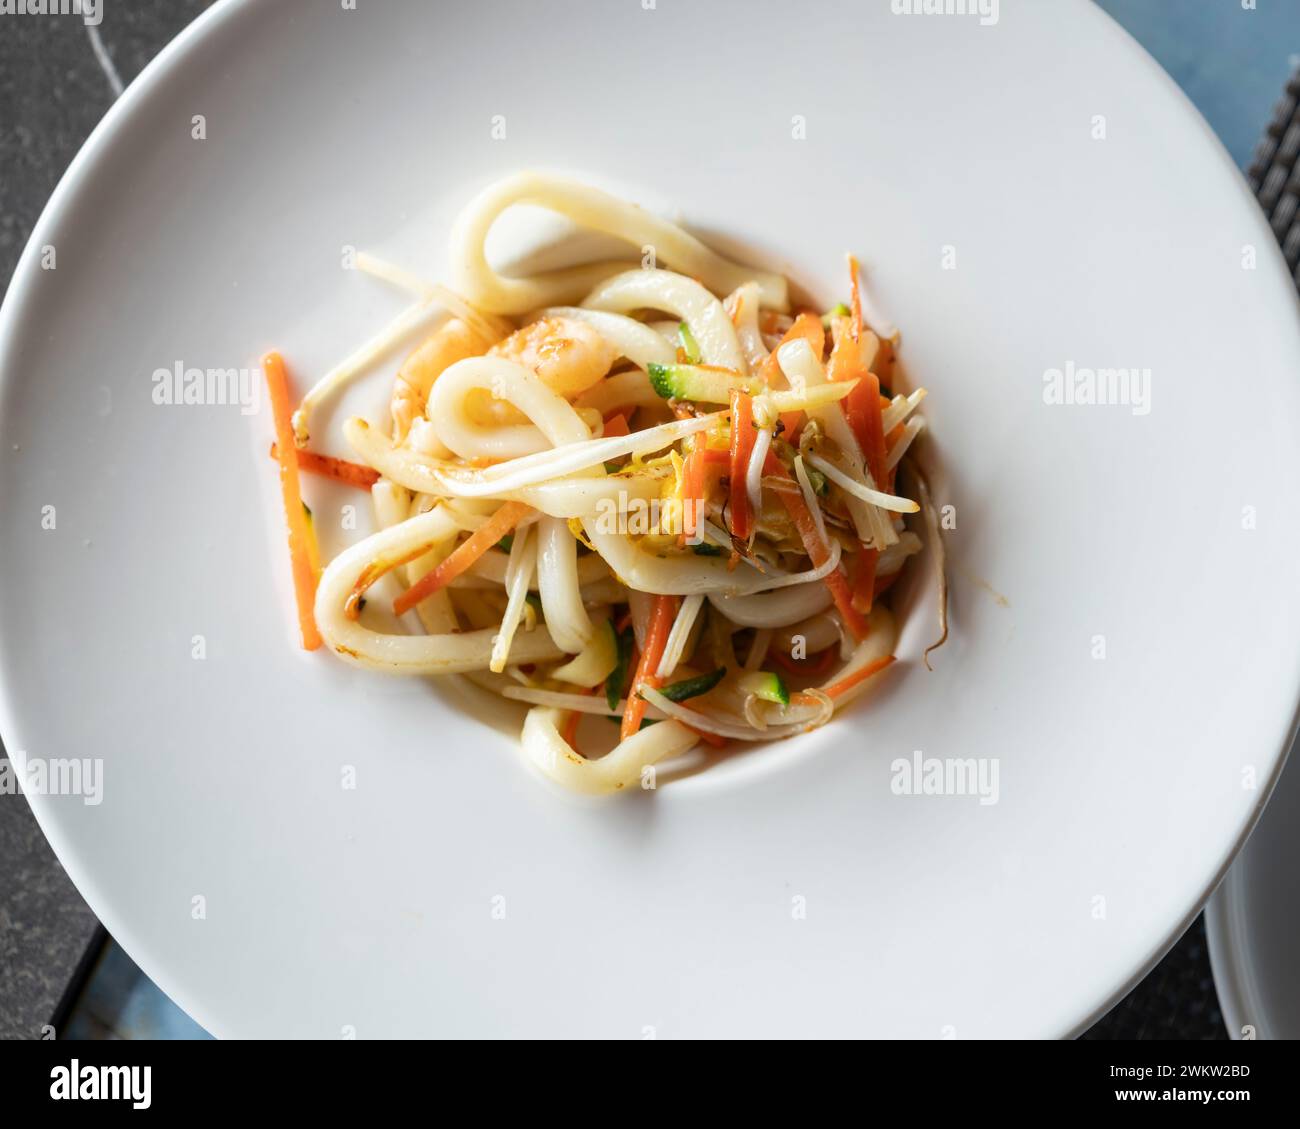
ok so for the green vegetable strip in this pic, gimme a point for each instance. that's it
(693, 687)
(616, 682)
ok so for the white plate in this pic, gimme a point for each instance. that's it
(789, 890)
(1252, 922)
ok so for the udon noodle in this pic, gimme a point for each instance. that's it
(658, 496)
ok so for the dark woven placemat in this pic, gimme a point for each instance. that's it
(1274, 173)
(1175, 1001)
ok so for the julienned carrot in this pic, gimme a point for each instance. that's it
(464, 555)
(570, 731)
(713, 739)
(300, 535)
(350, 474)
(616, 425)
(662, 614)
(883, 582)
(845, 361)
(372, 573)
(835, 689)
(843, 597)
(820, 665)
(817, 549)
(569, 734)
(806, 327)
(693, 490)
(862, 409)
(742, 446)
(864, 580)
(856, 299)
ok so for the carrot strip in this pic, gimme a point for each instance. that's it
(616, 425)
(864, 580)
(846, 358)
(300, 535)
(807, 327)
(883, 583)
(817, 550)
(570, 730)
(373, 572)
(843, 597)
(862, 409)
(714, 739)
(835, 689)
(825, 658)
(662, 614)
(692, 491)
(464, 555)
(742, 446)
(569, 734)
(350, 474)
(856, 299)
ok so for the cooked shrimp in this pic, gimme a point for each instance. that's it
(567, 354)
(452, 341)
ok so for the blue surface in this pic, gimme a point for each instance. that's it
(121, 1002)
(1231, 61)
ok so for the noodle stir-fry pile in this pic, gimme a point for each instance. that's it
(657, 496)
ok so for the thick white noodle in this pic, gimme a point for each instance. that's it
(683, 297)
(777, 609)
(565, 497)
(623, 389)
(623, 767)
(817, 633)
(634, 340)
(407, 654)
(880, 640)
(748, 298)
(553, 422)
(393, 505)
(723, 727)
(688, 575)
(491, 566)
(758, 648)
(558, 582)
(591, 208)
(893, 558)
